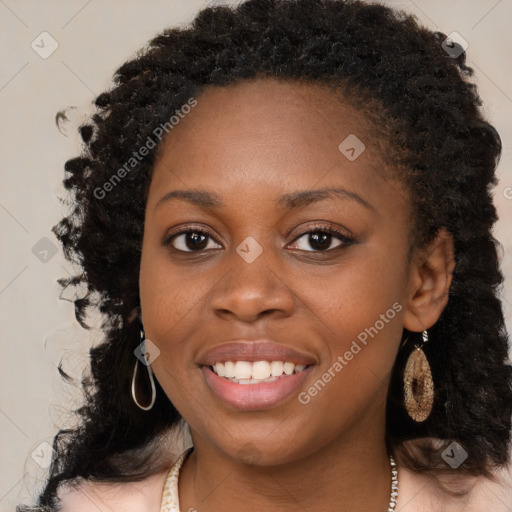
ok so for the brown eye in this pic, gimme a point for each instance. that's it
(320, 241)
(321, 237)
(192, 240)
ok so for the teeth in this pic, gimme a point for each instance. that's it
(220, 370)
(229, 369)
(253, 381)
(288, 368)
(243, 370)
(260, 370)
(246, 372)
(276, 368)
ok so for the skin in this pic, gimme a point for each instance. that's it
(250, 143)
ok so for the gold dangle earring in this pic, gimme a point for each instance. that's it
(418, 384)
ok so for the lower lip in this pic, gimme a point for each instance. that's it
(251, 397)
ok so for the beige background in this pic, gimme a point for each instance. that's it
(94, 37)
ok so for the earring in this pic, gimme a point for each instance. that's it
(418, 384)
(150, 373)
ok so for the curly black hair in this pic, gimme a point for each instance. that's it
(416, 95)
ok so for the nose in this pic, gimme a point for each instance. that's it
(249, 291)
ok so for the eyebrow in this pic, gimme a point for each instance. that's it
(292, 200)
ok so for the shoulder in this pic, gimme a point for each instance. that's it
(487, 495)
(89, 496)
(418, 493)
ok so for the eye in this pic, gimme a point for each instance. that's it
(190, 240)
(320, 237)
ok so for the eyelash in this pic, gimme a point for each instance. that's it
(316, 228)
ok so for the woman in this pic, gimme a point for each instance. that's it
(284, 212)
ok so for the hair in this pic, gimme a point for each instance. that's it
(446, 153)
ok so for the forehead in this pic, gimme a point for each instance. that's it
(271, 134)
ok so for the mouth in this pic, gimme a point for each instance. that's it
(255, 372)
(254, 385)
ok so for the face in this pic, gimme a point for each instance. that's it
(258, 255)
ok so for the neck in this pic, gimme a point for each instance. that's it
(352, 472)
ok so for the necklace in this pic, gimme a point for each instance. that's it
(394, 485)
(170, 500)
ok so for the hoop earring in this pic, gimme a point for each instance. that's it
(418, 384)
(150, 373)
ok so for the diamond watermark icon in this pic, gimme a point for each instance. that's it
(454, 455)
(44, 249)
(352, 147)
(249, 453)
(454, 45)
(146, 352)
(249, 249)
(43, 455)
(44, 45)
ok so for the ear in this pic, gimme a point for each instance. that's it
(429, 283)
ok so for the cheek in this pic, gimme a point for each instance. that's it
(357, 294)
(171, 301)
(168, 300)
(361, 307)
(345, 299)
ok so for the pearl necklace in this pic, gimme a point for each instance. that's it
(394, 485)
(170, 498)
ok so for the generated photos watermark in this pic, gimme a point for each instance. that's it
(342, 361)
(151, 142)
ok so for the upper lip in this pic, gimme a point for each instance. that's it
(255, 350)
